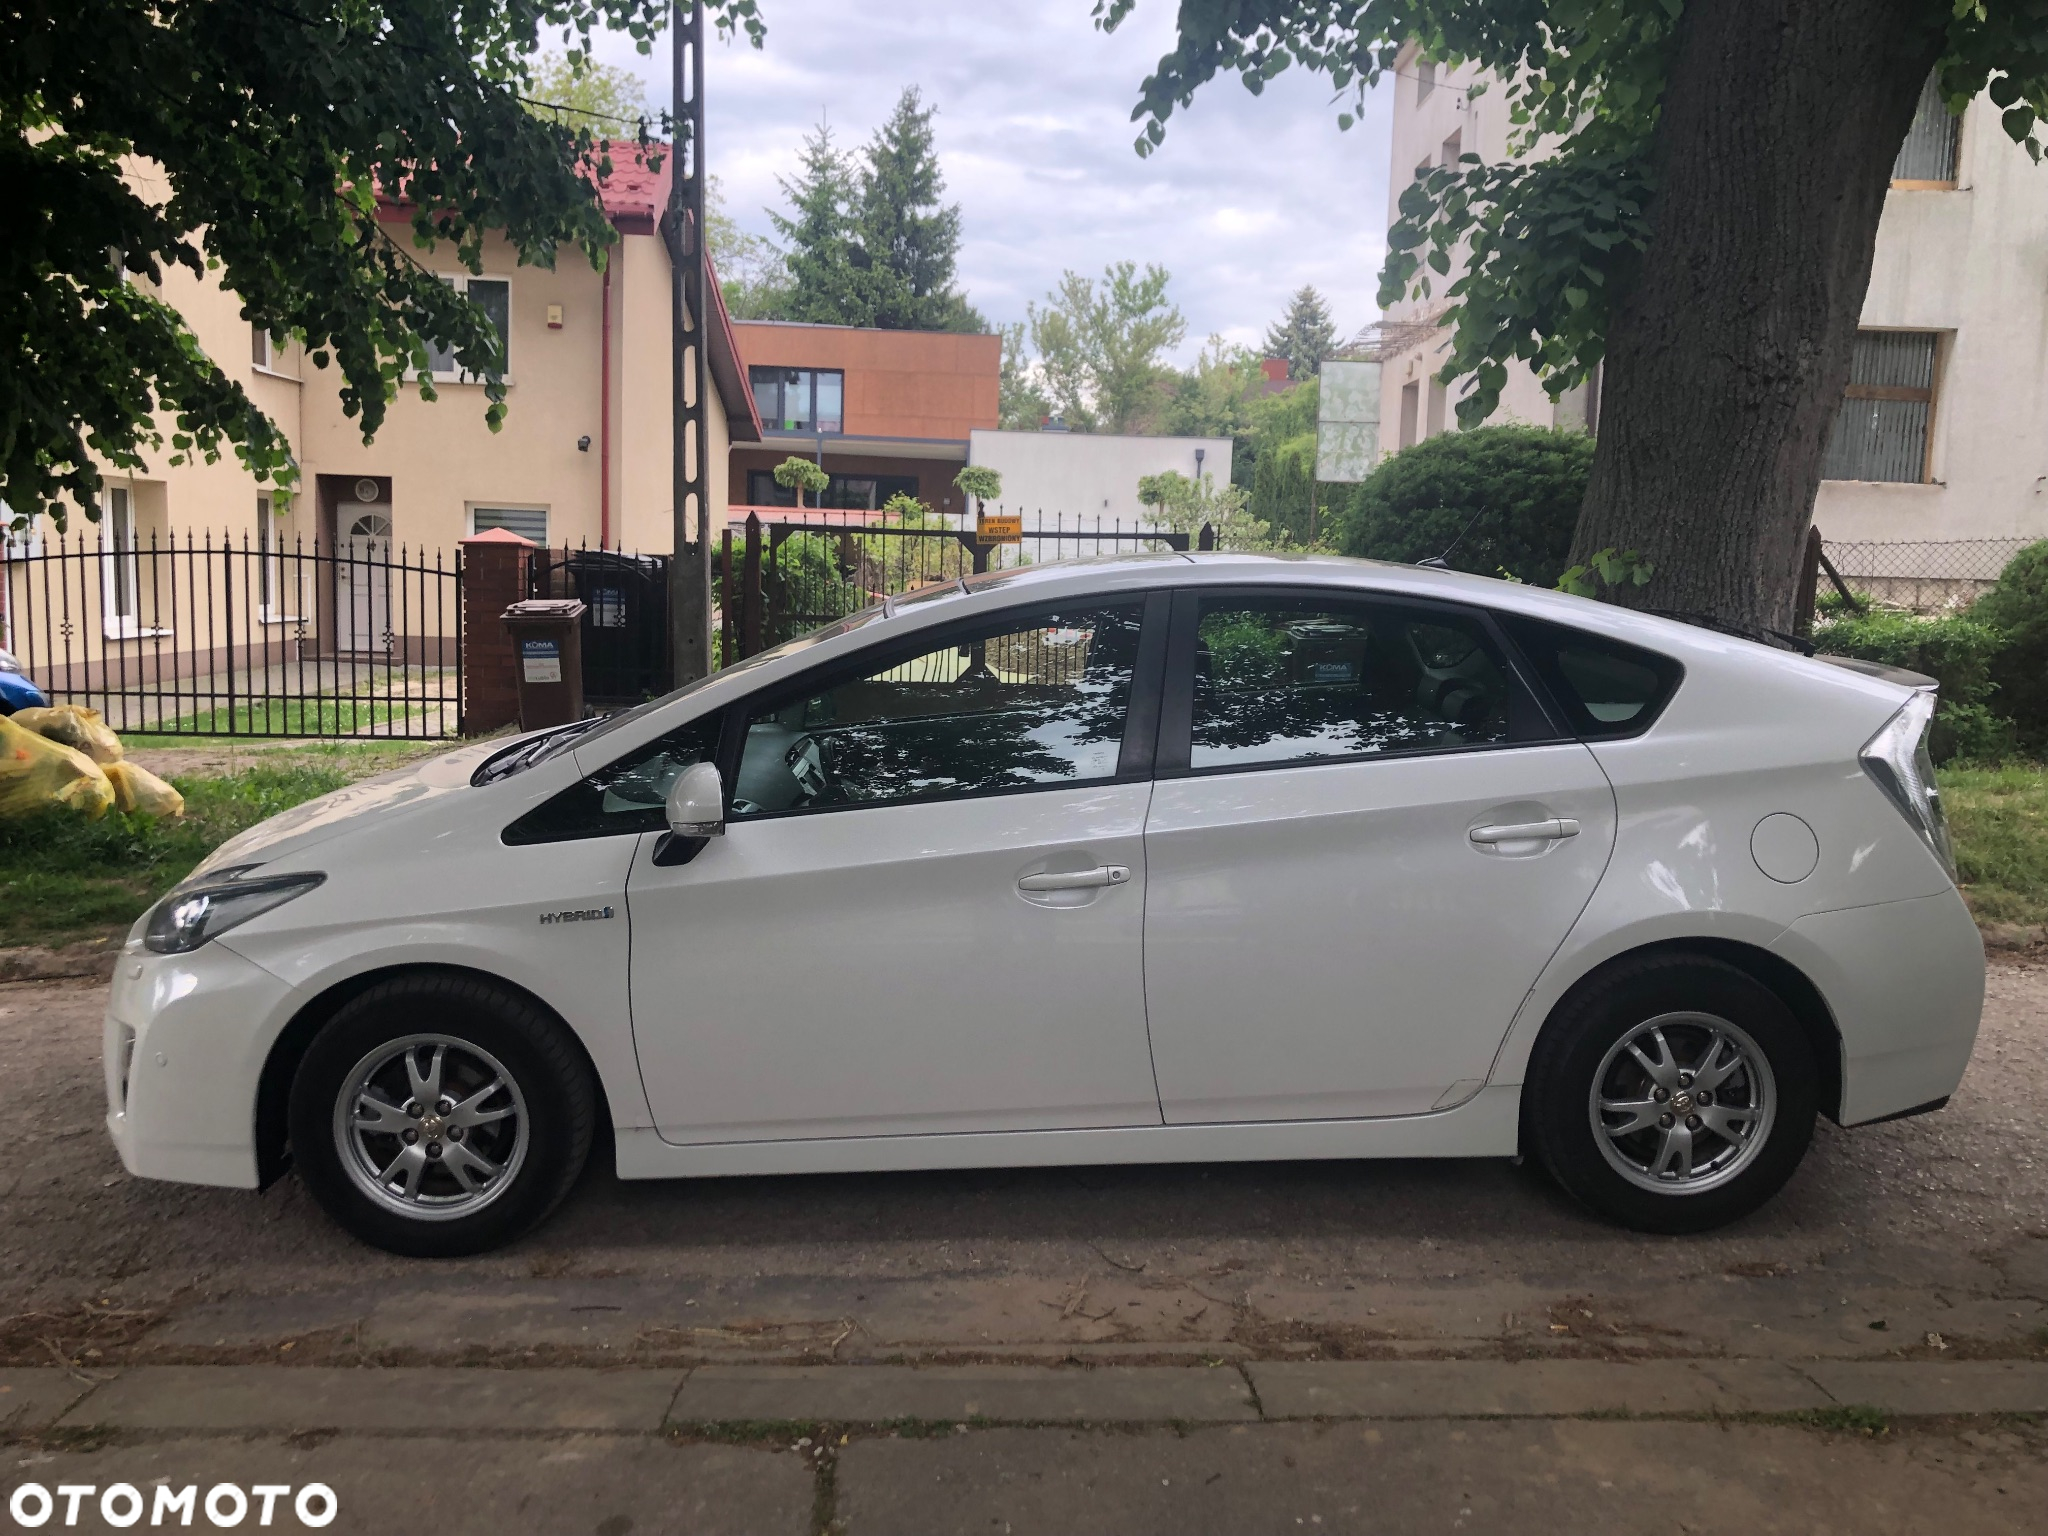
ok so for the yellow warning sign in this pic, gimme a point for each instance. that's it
(998, 528)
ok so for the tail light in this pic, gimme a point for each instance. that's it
(1897, 759)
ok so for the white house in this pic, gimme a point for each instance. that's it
(1941, 435)
(1087, 475)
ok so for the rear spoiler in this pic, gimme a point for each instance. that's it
(1881, 672)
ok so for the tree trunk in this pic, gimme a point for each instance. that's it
(1730, 347)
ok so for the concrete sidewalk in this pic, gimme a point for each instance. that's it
(283, 1399)
(1730, 1446)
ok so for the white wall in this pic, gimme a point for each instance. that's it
(1088, 474)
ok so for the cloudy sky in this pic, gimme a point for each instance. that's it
(1248, 199)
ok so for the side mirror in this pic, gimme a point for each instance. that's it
(696, 802)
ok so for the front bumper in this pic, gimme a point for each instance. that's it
(185, 1039)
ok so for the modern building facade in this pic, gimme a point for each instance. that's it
(1940, 437)
(882, 412)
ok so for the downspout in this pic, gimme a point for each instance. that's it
(604, 416)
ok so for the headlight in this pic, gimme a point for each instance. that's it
(190, 915)
(1897, 758)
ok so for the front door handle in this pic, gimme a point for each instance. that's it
(1077, 880)
(1527, 832)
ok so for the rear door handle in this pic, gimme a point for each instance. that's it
(1527, 832)
(1077, 880)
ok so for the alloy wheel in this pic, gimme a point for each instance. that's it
(1682, 1103)
(431, 1126)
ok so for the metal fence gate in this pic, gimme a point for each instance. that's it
(219, 637)
(780, 577)
(626, 643)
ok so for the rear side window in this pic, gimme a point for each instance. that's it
(1608, 689)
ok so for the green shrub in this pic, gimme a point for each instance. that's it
(1955, 650)
(1518, 487)
(2018, 609)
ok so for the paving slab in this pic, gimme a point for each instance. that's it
(285, 1398)
(1471, 1388)
(1012, 1393)
(1917, 1387)
(1588, 1478)
(609, 1485)
(31, 1397)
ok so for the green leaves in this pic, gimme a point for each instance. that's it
(1607, 569)
(248, 142)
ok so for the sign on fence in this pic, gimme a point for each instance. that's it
(999, 528)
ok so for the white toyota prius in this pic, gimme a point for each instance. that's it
(1150, 859)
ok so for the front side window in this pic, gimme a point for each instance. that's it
(1290, 680)
(1018, 706)
(628, 796)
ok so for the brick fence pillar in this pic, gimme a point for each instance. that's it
(494, 574)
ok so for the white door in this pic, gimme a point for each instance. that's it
(362, 580)
(1339, 920)
(926, 913)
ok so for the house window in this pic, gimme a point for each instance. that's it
(1927, 159)
(1439, 401)
(527, 522)
(275, 581)
(120, 573)
(266, 351)
(1411, 412)
(1425, 80)
(852, 492)
(494, 296)
(800, 399)
(1454, 147)
(1881, 432)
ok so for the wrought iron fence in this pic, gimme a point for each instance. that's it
(1925, 575)
(780, 576)
(219, 637)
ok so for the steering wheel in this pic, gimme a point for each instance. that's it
(805, 760)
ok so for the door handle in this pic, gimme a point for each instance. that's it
(1527, 832)
(1077, 880)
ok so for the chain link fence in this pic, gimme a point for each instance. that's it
(1924, 575)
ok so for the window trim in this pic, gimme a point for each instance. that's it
(1135, 754)
(1173, 758)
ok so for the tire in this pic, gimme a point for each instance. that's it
(1658, 1160)
(471, 1170)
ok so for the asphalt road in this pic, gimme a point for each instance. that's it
(1925, 1238)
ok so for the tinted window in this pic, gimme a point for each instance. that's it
(630, 795)
(1607, 688)
(982, 711)
(1286, 680)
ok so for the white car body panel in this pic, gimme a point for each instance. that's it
(892, 1013)
(1299, 920)
(418, 874)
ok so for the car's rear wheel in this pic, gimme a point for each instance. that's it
(438, 1115)
(1674, 1094)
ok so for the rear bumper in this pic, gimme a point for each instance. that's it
(1905, 982)
(185, 1039)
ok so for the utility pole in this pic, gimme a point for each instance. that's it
(683, 231)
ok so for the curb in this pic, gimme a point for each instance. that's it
(286, 1399)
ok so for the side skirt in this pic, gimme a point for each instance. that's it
(1484, 1126)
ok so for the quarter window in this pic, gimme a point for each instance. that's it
(1037, 705)
(1289, 680)
(1607, 688)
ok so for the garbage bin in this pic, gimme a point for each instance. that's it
(547, 649)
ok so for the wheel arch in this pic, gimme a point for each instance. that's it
(1784, 980)
(274, 1083)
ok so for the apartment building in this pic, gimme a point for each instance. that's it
(1940, 436)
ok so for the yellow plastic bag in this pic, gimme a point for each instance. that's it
(36, 772)
(137, 789)
(78, 728)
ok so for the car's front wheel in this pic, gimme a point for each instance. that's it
(1674, 1094)
(438, 1115)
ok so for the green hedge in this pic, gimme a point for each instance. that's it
(1955, 650)
(2018, 609)
(1519, 489)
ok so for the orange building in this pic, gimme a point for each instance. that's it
(879, 411)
